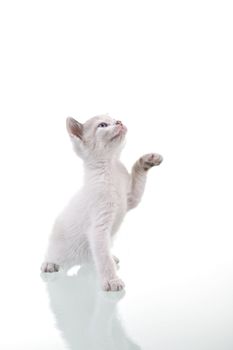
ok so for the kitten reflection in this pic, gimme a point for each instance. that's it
(87, 317)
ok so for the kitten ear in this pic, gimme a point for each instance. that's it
(74, 128)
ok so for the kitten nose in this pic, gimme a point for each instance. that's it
(119, 122)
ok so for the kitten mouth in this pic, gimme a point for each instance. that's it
(121, 133)
(116, 136)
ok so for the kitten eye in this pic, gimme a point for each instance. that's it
(102, 125)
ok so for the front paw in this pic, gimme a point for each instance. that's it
(113, 285)
(149, 160)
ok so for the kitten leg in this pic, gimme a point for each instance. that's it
(56, 258)
(138, 177)
(99, 240)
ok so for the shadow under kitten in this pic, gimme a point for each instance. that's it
(86, 316)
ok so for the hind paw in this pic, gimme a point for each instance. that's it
(49, 267)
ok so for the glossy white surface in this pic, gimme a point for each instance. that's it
(165, 69)
(172, 301)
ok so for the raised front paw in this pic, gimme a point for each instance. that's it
(113, 285)
(149, 160)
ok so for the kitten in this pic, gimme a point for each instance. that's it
(83, 231)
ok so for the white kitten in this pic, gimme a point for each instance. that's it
(84, 229)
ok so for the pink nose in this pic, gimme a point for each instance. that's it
(119, 122)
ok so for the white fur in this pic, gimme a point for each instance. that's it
(84, 230)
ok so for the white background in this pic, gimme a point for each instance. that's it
(165, 69)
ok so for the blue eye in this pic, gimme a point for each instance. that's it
(102, 125)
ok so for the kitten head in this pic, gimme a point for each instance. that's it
(100, 137)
